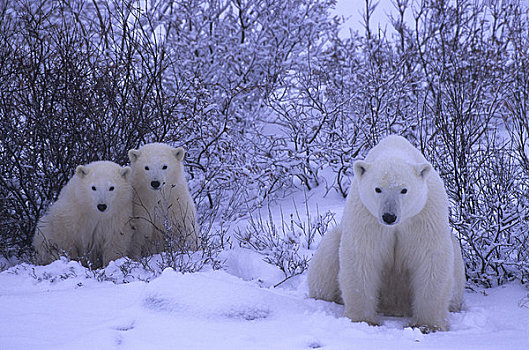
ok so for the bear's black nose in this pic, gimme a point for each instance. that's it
(155, 184)
(101, 207)
(389, 218)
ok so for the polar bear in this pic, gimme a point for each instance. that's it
(393, 251)
(164, 212)
(90, 221)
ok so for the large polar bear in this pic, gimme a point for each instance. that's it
(393, 251)
(164, 212)
(90, 221)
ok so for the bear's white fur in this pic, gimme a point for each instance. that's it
(164, 212)
(393, 252)
(90, 221)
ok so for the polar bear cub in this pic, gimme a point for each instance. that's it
(90, 221)
(164, 212)
(393, 252)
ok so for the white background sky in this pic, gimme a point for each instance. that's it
(353, 10)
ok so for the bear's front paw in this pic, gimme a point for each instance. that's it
(427, 329)
(369, 320)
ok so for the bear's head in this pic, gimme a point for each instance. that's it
(392, 190)
(104, 185)
(156, 165)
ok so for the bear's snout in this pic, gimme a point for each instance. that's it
(389, 218)
(155, 184)
(101, 207)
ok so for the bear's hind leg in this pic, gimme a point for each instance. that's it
(322, 276)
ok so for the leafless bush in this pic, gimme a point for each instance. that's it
(494, 229)
(266, 97)
(170, 230)
(286, 244)
(184, 249)
(62, 105)
(85, 80)
(454, 83)
(464, 56)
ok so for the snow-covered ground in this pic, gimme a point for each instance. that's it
(65, 309)
(65, 306)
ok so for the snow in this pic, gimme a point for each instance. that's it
(216, 309)
(65, 306)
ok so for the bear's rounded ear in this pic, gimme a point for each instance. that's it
(81, 171)
(124, 171)
(360, 167)
(179, 153)
(423, 170)
(134, 154)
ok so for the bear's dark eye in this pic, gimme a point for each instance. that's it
(147, 168)
(378, 190)
(164, 167)
(111, 188)
(404, 191)
(93, 188)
